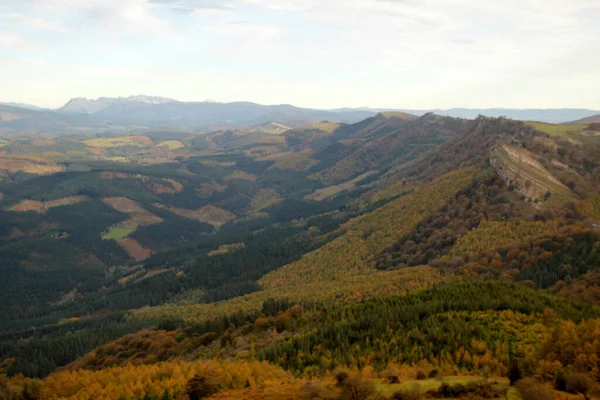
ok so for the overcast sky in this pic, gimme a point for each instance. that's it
(315, 53)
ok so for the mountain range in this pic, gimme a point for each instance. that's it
(139, 113)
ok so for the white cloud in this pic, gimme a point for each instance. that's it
(390, 52)
(10, 41)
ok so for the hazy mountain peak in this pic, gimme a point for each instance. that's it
(82, 105)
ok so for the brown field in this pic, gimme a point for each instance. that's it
(29, 164)
(242, 175)
(135, 250)
(139, 215)
(272, 140)
(210, 214)
(43, 206)
(96, 150)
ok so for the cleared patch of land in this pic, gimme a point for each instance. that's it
(242, 175)
(295, 161)
(139, 216)
(271, 128)
(536, 184)
(135, 250)
(398, 114)
(118, 233)
(42, 206)
(426, 385)
(564, 131)
(171, 144)
(29, 164)
(266, 198)
(227, 248)
(210, 214)
(272, 140)
(331, 191)
(325, 126)
(120, 141)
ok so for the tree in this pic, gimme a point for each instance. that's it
(514, 371)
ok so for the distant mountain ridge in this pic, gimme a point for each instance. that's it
(142, 112)
(23, 105)
(594, 119)
(82, 105)
(557, 115)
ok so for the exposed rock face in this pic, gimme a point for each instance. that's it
(519, 169)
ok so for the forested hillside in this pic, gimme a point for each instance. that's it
(398, 256)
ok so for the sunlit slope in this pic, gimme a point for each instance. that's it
(341, 269)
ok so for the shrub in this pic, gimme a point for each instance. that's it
(414, 393)
(392, 375)
(354, 388)
(421, 374)
(454, 391)
(315, 390)
(531, 389)
(434, 373)
(341, 375)
(578, 383)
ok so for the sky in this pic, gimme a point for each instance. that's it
(413, 54)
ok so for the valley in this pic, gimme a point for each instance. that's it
(396, 256)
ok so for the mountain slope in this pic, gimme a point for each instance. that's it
(594, 119)
(290, 271)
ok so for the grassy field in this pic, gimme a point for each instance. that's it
(274, 140)
(398, 114)
(266, 198)
(43, 206)
(331, 191)
(426, 385)
(210, 214)
(296, 161)
(172, 144)
(564, 131)
(121, 141)
(139, 217)
(118, 233)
